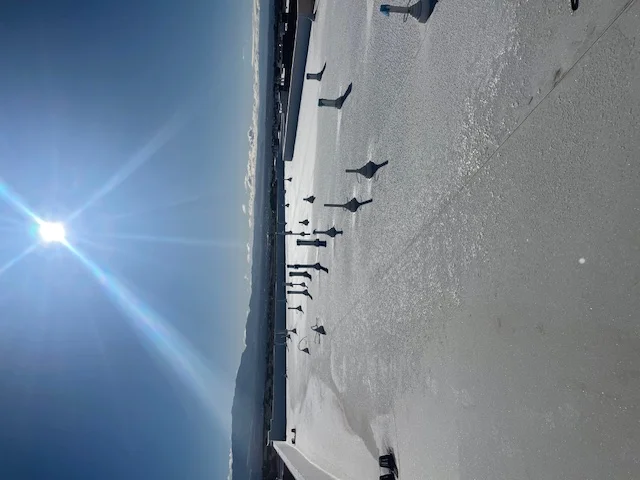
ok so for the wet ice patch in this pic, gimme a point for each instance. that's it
(338, 129)
(370, 150)
(339, 371)
(368, 26)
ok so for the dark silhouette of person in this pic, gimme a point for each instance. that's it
(288, 179)
(316, 266)
(298, 308)
(332, 232)
(305, 349)
(337, 102)
(310, 199)
(368, 170)
(352, 205)
(319, 329)
(420, 10)
(300, 292)
(286, 205)
(317, 76)
(311, 243)
(304, 222)
(301, 274)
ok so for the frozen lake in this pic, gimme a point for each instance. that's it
(483, 313)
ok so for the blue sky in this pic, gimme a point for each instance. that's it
(148, 102)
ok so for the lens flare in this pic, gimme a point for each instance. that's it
(166, 341)
(174, 349)
(14, 200)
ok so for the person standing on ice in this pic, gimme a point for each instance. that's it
(336, 102)
(421, 10)
(317, 76)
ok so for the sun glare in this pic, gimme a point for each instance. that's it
(52, 232)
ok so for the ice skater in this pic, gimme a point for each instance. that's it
(421, 10)
(298, 292)
(303, 345)
(301, 274)
(368, 170)
(311, 243)
(317, 76)
(316, 266)
(352, 205)
(332, 232)
(337, 102)
(310, 199)
(318, 330)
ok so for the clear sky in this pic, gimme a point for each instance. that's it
(142, 108)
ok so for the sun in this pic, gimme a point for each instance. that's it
(52, 232)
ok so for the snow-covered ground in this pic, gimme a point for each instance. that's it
(483, 313)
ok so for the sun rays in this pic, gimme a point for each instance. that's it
(161, 138)
(175, 351)
(157, 334)
(16, 259)
(184, 241)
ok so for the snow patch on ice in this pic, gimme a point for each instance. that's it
(322, 429)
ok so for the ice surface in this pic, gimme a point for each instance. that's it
(463, 328)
